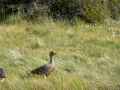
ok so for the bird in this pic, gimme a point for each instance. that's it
(46, 69)
(2, 74)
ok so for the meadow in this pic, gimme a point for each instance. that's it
(88, 56)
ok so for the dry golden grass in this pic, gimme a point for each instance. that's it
(87, 55)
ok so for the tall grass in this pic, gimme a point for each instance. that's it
(87, 55)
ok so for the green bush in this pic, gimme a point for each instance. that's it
(114, 7)
(95, 10)
(88, 10)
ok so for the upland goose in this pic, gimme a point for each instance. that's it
(47, 68)
(2, 74)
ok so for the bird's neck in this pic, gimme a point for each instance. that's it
(51, 60)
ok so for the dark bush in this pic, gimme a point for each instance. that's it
(88, 10)
(15, 1)
(30, 9)
(114, 7)
(65, 8)
(10, 7)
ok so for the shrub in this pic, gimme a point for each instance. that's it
(95, 10)
(65, 8)
(114, 7)
(88, 10)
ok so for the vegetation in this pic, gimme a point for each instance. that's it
(114, 6)
(88, 10)
(87, 55)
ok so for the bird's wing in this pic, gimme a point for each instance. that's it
(45, 69)
(40, 69)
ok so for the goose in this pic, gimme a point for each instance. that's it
(47, 68)
(2, 74)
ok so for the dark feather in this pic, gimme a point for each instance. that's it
(43, 70)
(2, 73)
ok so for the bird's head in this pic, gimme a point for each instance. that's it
(52, 53)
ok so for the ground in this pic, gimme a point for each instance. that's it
(88, 56)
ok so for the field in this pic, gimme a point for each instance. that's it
(88, 56)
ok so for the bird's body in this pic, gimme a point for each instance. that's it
(45, 69)
(2, 74)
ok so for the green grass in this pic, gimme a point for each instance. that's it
(88, 56)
